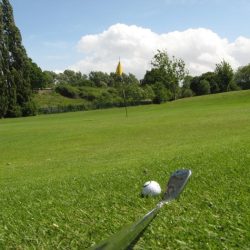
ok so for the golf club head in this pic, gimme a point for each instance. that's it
(176, 184)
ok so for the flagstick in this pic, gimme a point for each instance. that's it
(124, 98)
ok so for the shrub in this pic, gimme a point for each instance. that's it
(87, 95)
(29, 109)
(107, 100)
(15, 111)
(62, 109)
(161, 93)
(186, 93)
(67, 91)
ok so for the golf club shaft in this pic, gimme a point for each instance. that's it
(129, 234)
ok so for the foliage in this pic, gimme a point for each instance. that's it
(200, 86)
(54, 99)
(224, 75)
(130, 79)
(52, 102)
(212, 79)
(50, 78)
(134, 93)
(233, 86)
(87, 94)
(14, 111)
(3, 82)
(99, 79)
(168, 72)
(148, 93)
(108, 100)
(161, 94)
(101, 95)
(37, 77)
(14, 66)
(174, 69)
(71, 77)
(204, 87)
(154, 75)
(167, 80)
(114, 80)
(185, 88)
(29, 108)
(62, 109)
(67, 90)
(242, 77)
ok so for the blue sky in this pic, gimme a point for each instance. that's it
(52, 30)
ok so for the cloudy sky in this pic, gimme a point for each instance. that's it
(91, 35)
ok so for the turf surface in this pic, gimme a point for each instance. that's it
(69, 180)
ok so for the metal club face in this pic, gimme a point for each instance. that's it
(176, 184)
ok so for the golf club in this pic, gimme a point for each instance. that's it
(129, 235)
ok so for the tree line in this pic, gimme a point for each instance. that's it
(168, 79)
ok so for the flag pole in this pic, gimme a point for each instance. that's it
(124, 98)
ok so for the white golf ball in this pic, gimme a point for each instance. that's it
(151, 188)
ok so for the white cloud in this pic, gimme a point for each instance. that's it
(200, 48)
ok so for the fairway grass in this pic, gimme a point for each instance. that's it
(69, 180)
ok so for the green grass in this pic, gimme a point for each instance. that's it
(69, 180)
(53, 99)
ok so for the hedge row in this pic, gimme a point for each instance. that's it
(83, 107)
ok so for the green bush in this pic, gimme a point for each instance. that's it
(14, 111)
(134, 93)
(67, 91)
(87, 95)
(232, 86)
(107, 100)
(162, 94)
(62, 109)
(29, 109)
(186, 93)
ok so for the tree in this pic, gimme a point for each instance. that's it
(114, 80)
(154, 75)
(224, 75)
(185, 88)
(149, 94)
(50, 78)
(200, 86)
(67, 90)
(3, 82)
(99, 78)
(169, 72)
(134, 93)
(213, 81)
(68, 77)
(130, 79)
(204, 87)
(162, 94)
(37, 77)
(242, 77)
(15, 64)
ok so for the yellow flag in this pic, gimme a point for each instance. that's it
(119, 69)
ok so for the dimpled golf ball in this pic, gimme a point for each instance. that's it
(151, 188)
